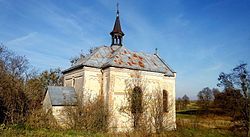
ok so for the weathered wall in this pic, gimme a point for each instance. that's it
(112, 84)
(87, 81)
(75, 79)
(118, 80)
(92, 81)
(61, 116)
(57, 112)
(47, 103)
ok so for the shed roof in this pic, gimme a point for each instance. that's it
(61, 96)
(106, 56)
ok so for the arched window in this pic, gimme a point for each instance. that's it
(165, 100)
(136, 100)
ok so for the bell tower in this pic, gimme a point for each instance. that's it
(117, 33)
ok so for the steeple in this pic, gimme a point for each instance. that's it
(117, 33)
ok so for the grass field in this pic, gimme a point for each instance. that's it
(191, 122)
(192, 116)
(181, 132)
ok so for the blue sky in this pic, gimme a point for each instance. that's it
(197, 38)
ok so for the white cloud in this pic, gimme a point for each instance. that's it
(25, 38)
(214, 67)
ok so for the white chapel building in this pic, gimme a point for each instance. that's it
(108, 72)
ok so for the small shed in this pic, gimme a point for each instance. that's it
(57, 98)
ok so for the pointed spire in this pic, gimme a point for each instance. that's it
(117, 33)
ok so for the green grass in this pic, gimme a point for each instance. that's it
(182, 132)
(46, 132)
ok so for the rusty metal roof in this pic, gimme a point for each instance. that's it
(106, 56)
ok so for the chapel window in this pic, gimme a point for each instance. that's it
(136, 100)
(73, 82)
(165, 100)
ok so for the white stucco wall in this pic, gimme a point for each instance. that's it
(119, 78)
(57, 112)
(85, 80)
(47, 103)
(111, 84)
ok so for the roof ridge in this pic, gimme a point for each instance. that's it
(164, 62)
(90, 55)
(48, 95)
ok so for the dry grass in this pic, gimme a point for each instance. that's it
(188, 125)
(181, 132)
(194, 117)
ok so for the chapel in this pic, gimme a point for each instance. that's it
(111, 72)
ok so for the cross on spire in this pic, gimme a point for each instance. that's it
(117, 9)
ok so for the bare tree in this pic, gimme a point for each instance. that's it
(53, 77)
(228, 101)
(40, 119)
(136, 106)
(148, 110)
(179, 104)
(88, 114)
(12, 98)
(21, 89)
(205, 98)
(186, 101)
(239, 80)
(161, 107)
